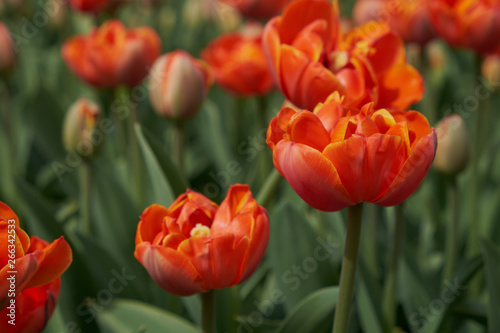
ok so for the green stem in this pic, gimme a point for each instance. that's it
(269, 188)
(180, 137)
(348, 273)
(135, 153)
(473, 241)
(389, 303)
(451, 232)
(262, 112)
(208, 312)
(7, 109)
(85, 174)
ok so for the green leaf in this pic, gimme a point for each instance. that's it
(163, 193)
(491, 255)
(312, 313)
(124, 316)
(297, 256)
(175, 178)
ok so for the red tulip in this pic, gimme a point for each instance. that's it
(334, 158)
(194, 246)
(409, 18)
(36, 267)
(112, 55)
(178, 84)
(238, 62)
(258, 9)
(95, 6)
(33, 306)
(7, 55)
(310, 59)
(468, 24)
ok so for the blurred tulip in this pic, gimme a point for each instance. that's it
(468, 24)
(239, 63)
(436, 54)
(33, 306)
(491, 69)
(258, 9)
(79, 127)
(409, 18)
(57, 11)
(310, 59)
(112, 55)
(452, 154)
(7, 54)
(178, 85)
(96, 6)
(334, 158)
(225, 16)
(37, 264)
(194, 246)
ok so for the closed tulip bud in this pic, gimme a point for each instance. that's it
(178, 85)
(7, 55)
(58, 13)
(452, 154)
(491, 69)
(79, 128)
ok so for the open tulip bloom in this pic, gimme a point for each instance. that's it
(310, 58)
(337, 157)
(195, 246)
(36, 266)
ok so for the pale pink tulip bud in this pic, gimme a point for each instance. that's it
(452, 154)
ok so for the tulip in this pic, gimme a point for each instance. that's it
(467, 24)
(79, 127)
(310, 59)
(409, 18)
(33, 306)
(239, 63)
(334, 157)
(194, 246)
(36, 262)
(178, 85)
(95, 6)
(112, 55)
(7, 55)
(452, 154)
(490, 69)
(258, 9)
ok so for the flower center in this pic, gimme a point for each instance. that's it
(200, 230)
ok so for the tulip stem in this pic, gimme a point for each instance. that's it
(208, 312)
(389, 304)
(451, 232)
(269, 188)
(135, 154)
(85, 174)
(348, 273)
(180, 137)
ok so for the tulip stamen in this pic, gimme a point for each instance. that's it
(200, 230)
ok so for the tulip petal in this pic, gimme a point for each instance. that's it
(57, 258)
(312, 176)
(171, 270)
(272, 50)
(150, 224)
(412, 173)
(400, 87)
(306, 128)
(348, 157)
(258, 244)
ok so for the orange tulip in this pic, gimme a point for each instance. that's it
(310, 59)
(7, 55)
(334, 158)
(468, 24)
(257, 9)
(178, 84)
(35, 262)
(194, 246)
(33, 307)
(409, 18)
(238, 62)
(112, 55)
